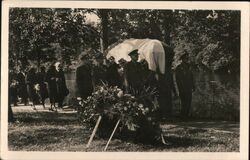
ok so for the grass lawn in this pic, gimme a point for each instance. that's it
(49, 131)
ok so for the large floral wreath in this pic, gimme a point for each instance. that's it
(136, 112)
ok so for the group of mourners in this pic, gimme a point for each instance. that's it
(33, 87)
(133, 76)
(125, 75)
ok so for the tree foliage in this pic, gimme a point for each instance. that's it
(49, 34)
(40, 34)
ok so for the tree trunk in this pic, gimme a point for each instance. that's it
(104, 31)
(167, 26)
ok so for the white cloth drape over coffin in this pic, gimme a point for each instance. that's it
(149, 49)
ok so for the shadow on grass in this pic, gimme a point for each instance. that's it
(41, 137)
(173, 142)
(178, 139)
(49, 135)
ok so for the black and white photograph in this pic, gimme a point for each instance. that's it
(86, 78)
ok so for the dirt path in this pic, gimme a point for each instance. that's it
(44, 114)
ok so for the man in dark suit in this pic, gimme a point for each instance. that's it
(99, 70)
(185, 83)
(113, 76)
(84, 77)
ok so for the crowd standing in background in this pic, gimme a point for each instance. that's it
(33, 87)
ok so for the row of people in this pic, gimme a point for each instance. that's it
(125, 75)
(35, 87)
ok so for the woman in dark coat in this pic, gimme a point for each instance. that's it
(52, 85)
(43, 86)
(61, 85)
(22, 87)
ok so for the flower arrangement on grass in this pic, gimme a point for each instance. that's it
(136, 112)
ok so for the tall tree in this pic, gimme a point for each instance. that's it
(103, 13)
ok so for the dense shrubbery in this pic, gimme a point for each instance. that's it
(215, 98)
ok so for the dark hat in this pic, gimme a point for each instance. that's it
(111, 57)
(122, 60)
(133, 52)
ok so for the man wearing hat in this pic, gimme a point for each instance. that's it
(84, 77)
(185, 84)
(134, 72)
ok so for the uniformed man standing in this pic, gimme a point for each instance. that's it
(134, 72)
(185, 84)
(84, 78)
